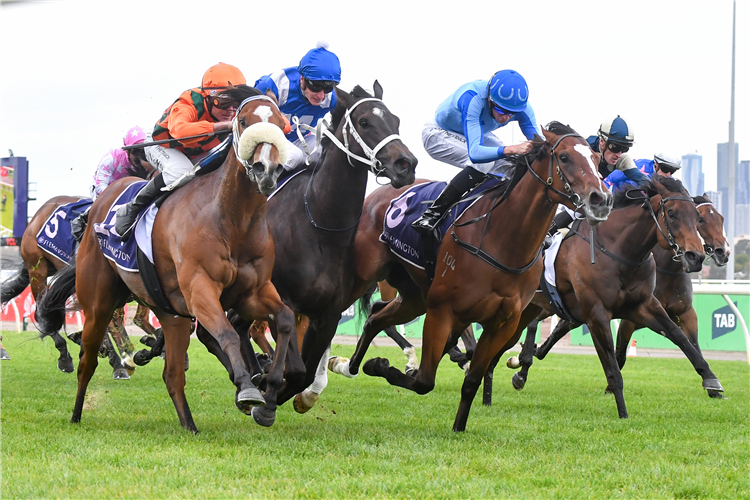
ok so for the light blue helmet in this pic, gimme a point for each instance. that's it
(320, 64)
(509, 91)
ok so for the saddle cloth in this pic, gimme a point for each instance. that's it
(55, 236)
(398, 234)
(113, 248)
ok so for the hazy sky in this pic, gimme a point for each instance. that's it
(75, 75)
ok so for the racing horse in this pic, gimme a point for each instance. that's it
(39, 264)
(621, 282)
(487, 270)
(314, 219)
(212, 251)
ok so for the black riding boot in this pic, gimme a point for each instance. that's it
(127, 214)
(561, 220)
(465, 181)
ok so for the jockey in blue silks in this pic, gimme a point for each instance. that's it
(612, 142)
(461, 135)
(662, 164)
(304, 92)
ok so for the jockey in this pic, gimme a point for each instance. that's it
(118, 163)
(612, 142)
(304, 92)
(662, 164)
(461, 135)
(195, 112)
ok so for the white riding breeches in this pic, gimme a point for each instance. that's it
(297, 153)
(451, 148)
(171, 162)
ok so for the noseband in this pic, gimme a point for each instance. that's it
(571, 195)
(236, 133)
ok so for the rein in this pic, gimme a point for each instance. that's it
(597, 243)
(678, 252)
(322, 129)
(572, 196)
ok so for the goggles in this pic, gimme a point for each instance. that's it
(318, 85)
(500, 110)
(223, 104)
(617, 148)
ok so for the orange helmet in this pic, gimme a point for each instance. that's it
(222, 75)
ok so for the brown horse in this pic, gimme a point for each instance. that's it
(621, 283)
(38, 265)
(486, 272)
(212, 251)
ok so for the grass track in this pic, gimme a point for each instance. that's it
(558, 438)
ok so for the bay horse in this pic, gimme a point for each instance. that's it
(314, 219)
(486, 272)
(38, 265)
(621, 283)
(212, 251)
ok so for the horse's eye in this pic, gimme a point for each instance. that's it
(701, 220)
(242, 122)
(363, 123)
(564, 157)
(670, 213)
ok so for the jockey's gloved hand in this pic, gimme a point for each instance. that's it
(636, 176)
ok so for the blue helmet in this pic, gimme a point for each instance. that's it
(320, 64)
(616, 130)
(509, 91)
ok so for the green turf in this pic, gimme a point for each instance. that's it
(558, 438)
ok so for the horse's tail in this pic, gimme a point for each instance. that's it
(50, 308)
(13, 286)
(364, 304)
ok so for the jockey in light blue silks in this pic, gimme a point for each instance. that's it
(304, 92)
(612, 142)
(461, 135)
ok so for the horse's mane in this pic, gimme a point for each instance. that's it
(621, 199)
(701, 199)
(238, 93)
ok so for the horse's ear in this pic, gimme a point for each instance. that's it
(346, 99)
(706, 197)
(378, 89)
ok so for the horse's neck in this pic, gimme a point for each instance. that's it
(629, 232)
(236, 197)
(337, 190)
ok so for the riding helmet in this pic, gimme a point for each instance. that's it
(616, 130)
(320, 64)
(509, 91)
(667, 162)
(222, 75)
(135, 135)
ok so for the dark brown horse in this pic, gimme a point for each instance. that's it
(487, 271)
(314, 220)
(621, 283)
(39, 265)
(213, 251)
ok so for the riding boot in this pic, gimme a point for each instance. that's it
(465, 181)
(127, 214)
(78, 225)
(561, 220)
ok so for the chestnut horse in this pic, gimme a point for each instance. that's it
(621, 283)
(212, 251)
(489, 268)
(38, 265)
(314, 219)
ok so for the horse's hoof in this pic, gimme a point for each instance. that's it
(120, 374)
(247, 398)
(304, 401)
(148, 341)
(140, 358)
(65, 364)
(716, 395)
(513, 363)
(4, 354)
(713, 384)
(263, 416)
(128, 364)
(376, 367)
(518, 382)
(412, 372)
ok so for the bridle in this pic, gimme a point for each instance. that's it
(322, 129)
(571, 195)
(236, 133)
(676, 250)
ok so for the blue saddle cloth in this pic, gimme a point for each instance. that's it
(122, 254)
(398, 234)
(55, 237)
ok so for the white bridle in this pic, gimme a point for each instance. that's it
(235, 128)
(322, 129)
